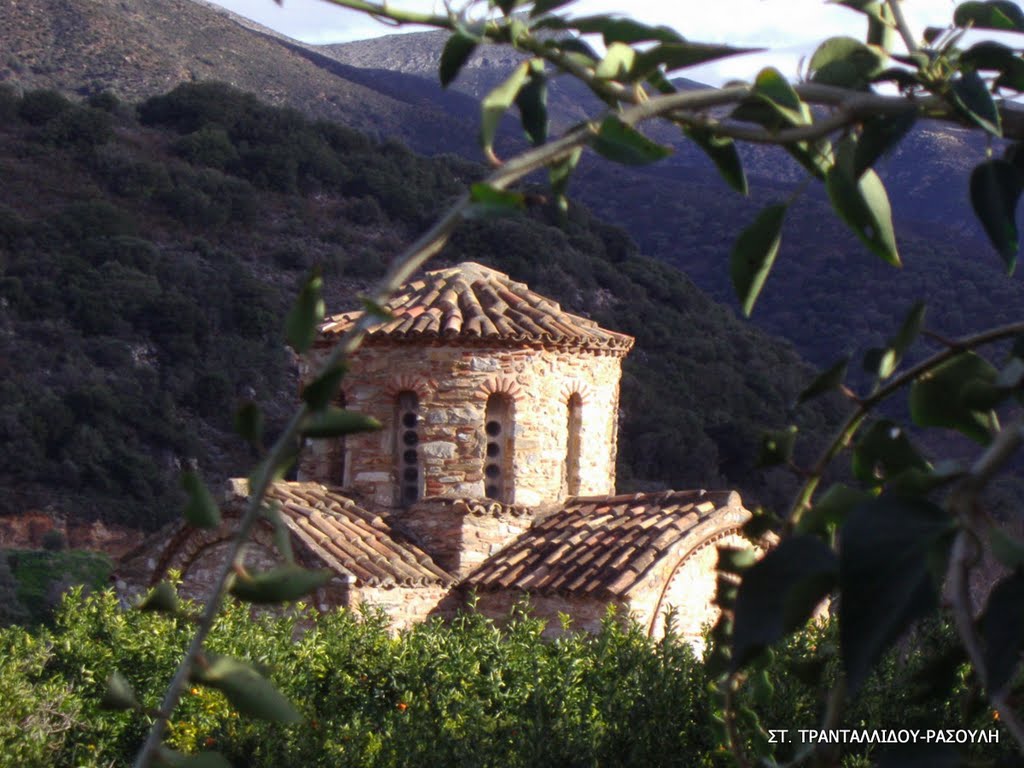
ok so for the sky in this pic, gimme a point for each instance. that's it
(790, 28)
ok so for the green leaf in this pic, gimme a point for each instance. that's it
(937, 399)
(826, 381)
(882, 28)
(815, 156)
(909, 330)
(830, 510)
(777, 447)
(754, 254)
(881, 361)
(624, 144)
(915, 481)
(282, 536)
(995, 190)
(162, 598)
(305, 315)
(119, 693)
(989, 55)
(617, 63)
(864, 206)
(681, 55)
(533, 106)
(559, 174)
(1003, 630)
(247, 690)
(778, 594)
(496, 103)
(871, 8)
(994, 14)
(319, 393)
(489, 202)
(617, 29)
(773, 89)
(456, 53)
(881, 133)
(722, 151)
(845, 62)
(278, 585)
(888, 545)
(201, 510)
(375, 310)
(546, 6)
(760, 523)
(1007, 549)
(335, 422)
(249, 422)
(885, 450)
(1012, 77)
(200, 760)
(507, 6)
(972, 98)
(735, 560)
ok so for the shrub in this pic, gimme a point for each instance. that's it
(40, 107)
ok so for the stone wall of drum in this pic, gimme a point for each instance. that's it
(489, 422)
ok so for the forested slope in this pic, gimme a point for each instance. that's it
(146, 261)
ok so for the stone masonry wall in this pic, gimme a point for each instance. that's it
(460, 539)
(404, 606)
(688, 587)
(453, 384)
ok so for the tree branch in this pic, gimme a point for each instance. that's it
(963, 504)
(902, 26)
(845, 434)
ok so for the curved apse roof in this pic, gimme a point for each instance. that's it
(602, 546)
(473, 304)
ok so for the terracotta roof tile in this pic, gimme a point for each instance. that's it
(601, 546)
(351, 540)
(471, 302)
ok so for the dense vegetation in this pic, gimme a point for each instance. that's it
(146, 261)
(465, 694)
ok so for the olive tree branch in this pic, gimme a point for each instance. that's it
(845, 434)
(963, 504)
(901, 24)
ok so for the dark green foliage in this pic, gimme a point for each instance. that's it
(42, 576)
(40, 107)
(11, 609)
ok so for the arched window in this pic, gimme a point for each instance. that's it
(407, 455)
(498, 458)
(573, 443)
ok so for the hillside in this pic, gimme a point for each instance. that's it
(146, 47)
(678, 212)
(147, 263)
(681, 213)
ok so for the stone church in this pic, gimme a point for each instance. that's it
(493, 475)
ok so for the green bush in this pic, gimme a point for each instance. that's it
(460, 694)
(467, 693)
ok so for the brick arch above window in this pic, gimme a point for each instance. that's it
(405, 382)
(576, 387)
(500, 385)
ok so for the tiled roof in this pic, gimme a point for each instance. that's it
(478, 507)
(602, 546)
(351, 540)
(474, 303)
